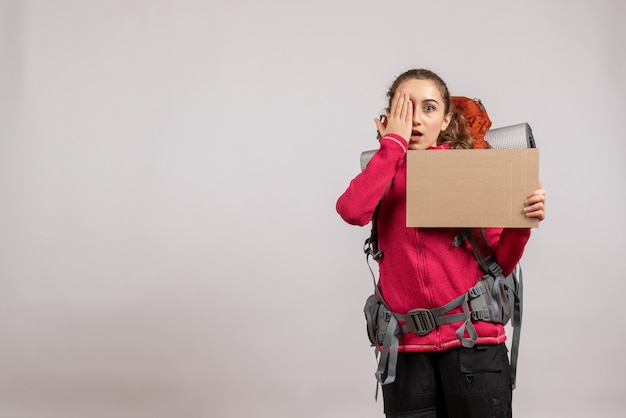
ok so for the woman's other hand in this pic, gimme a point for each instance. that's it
(535, 204)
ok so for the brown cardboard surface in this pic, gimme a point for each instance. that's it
(471, 188)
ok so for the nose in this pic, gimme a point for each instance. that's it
(417, 117)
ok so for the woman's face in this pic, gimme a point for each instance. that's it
(429, 117)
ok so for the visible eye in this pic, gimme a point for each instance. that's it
(429, 108)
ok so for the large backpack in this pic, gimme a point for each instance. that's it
(477, 119)
(494, 298)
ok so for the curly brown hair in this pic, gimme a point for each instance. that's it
(456, 134)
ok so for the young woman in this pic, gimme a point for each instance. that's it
(435, 376)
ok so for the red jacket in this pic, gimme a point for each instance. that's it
(421, 268)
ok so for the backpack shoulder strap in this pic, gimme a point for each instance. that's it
(489, 265)
(516, 293)
(481, 249)
(371, 243)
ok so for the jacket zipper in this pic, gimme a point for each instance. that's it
(425, 280)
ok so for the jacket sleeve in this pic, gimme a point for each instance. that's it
(509, 247)
(356, 205)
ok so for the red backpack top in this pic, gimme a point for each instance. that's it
(477, 118)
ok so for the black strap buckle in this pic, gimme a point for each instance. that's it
(482, 315)
(420, 321)
(495, 269)
(370, 248)
(476, 291)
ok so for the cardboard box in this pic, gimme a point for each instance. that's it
(471, 188)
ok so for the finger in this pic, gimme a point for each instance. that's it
(401, 106)
(539, 214)
(396, 105)
(535, 198)
(534, 207)
(535, 211)
(405, 106)
(536, 215)
(409, 112)
(531, 207)
(537, 191)
(538, 196)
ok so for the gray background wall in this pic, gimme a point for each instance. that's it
(169, 245)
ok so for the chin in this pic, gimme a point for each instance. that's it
(422, 144)
(417, 147)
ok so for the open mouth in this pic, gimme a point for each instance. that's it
(416, 134)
